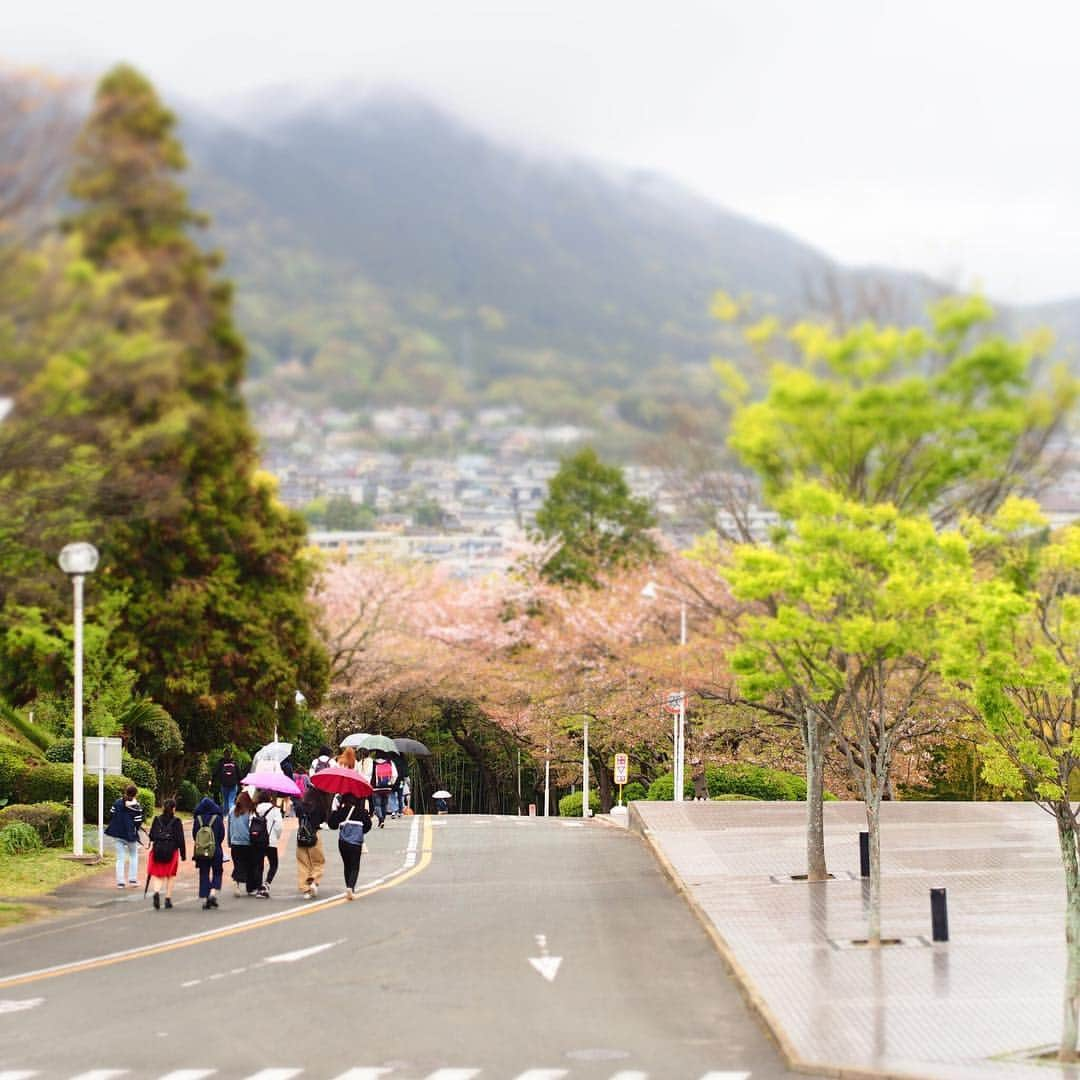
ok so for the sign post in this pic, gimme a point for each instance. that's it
(622, 769)
(106, 756)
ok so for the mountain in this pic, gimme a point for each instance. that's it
(385, 253)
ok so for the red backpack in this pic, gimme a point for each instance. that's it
(384, 774)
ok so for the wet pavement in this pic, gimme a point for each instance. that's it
(975, 1006)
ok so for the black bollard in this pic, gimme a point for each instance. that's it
(864, 854)
(939, 914)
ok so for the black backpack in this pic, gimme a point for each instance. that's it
(258, 830)
(164, 842)
(228, 774)
(306, 833)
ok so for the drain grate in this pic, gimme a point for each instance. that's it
(801, 879)
(857, 944)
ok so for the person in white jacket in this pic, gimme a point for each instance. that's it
(258, 852)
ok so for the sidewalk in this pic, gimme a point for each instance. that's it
(970, 1008)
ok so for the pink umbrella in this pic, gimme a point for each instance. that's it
(271, 781)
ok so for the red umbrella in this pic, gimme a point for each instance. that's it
(341, 781)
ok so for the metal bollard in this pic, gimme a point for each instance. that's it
(939, 914)
(864, 854)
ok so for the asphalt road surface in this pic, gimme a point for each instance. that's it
(481, 947)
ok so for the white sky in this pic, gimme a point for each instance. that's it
(941, 135)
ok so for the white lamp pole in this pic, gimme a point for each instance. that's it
(78, 560)
(649, 592)
(585, 773)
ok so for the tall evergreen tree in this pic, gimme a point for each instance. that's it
(211, 565)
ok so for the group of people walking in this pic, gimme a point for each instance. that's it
(252, 827)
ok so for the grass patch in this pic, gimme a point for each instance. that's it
(10, 914)
(39, 873)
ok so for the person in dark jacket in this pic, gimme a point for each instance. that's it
(167, 848)
(351, 819)
(125, 817)
(227, 780)
(210, 815)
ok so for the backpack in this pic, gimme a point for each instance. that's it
(384, 774)
(228, 774)
(205, 841)
(259, 830)
(164, 843)
(306, 834)
(320, 763)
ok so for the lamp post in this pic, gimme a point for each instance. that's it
(649, 592)
(78, 560)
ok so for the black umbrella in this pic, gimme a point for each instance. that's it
(412, 746)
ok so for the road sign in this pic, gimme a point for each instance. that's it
(103, 755)
(673, 701)
(622, 768)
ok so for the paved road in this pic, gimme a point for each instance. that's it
(488, 948)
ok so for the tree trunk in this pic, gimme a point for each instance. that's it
(814, 741)
(1067, 839)
(603, 782)
(873, 820)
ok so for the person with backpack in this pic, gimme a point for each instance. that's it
(264, 831)
(125, 817)
(310, 859)
(352, 821)
(384, 774)
(240, 840)
(227, 779)
(208, 832)
(167, 848)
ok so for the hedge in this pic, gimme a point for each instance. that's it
(11, 766)
(755, 781)
(187, 795)
(18, 838)
(633, 790)
(51, 819)
(570, 805)
(53, 782)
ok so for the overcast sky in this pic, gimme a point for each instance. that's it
(941, 136)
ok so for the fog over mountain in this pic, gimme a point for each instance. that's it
(383, 251)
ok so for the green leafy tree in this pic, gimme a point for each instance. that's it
(142, 408)
(946, 419)
(1019, 664)
(591, 522)
(852, 607)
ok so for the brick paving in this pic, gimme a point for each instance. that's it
(970, 1008)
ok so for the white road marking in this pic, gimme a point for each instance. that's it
(190, 982)
(741, 1074)
(363, 1074)
(548, 966)
(189, 1074)
(100, 1074)
(542, 1074)
(573, 824)
(275, 1074)
(454, 1074)
(630, 1076)
(298, 954)
(15, 1074)
(20, 1006)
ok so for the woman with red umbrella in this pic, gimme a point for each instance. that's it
(349, 816)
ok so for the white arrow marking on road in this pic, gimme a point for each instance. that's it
(548, 966)
(300, 954)
(15, 1074)
(20, 1006)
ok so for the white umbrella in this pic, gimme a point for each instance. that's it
(274, 751)
(442, 794)
(356, 740)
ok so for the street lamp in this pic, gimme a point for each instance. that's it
(78, 560)
(650, 592)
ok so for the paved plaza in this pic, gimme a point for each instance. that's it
(973, 1007)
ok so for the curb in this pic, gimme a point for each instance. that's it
(751, 994)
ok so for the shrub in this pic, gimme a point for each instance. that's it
(663, 788)
(756, 781)
(570, 805)
(11, 766)
(187, 796)
(52, 820)
(146, 801)
(152, 732)
(62, 751)
(633, 790)
(52, 783)
(18, 838)
(732, 797)
(142, 773)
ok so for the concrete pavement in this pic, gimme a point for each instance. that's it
(975, 1007)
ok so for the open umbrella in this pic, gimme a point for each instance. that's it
(356, 740)
(274, 751)
(412, 746)
(270, 780)
(371, 742)
(339, 781)
(442, 793)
